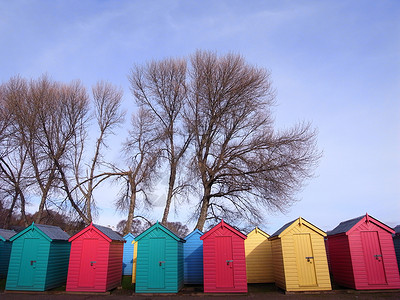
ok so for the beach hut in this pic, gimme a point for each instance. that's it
(193, 258)
(5, 250)
(39, 259)
(362, 255)
(95, 264)
(159, 267)
(258, 257)
(396, 242)
(299, 257)
(134, 262)
(224, 260)
(129, 247)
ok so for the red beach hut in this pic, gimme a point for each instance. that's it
(224, 260)
(95, 263)
(362, 255)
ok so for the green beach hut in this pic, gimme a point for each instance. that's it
(5, 250)
(159, 267)
(39, 259)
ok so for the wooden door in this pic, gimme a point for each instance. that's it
(224, 262)
(27, 271)
(305, 259)
(373, 257)
(89, 263)
(156, 272)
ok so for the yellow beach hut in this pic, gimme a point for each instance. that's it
(258, 257)
(299, 257)
(134, 262)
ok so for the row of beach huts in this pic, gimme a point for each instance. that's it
(359, 253)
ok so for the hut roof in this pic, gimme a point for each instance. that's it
(300, 220)
(164, 229)
(114, 236)
(346, 226)
(6, 234)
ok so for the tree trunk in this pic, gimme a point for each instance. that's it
(204, 209)
(171, 184)
(129, 221)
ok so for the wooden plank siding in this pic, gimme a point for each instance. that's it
(173, 266)
(193, 258)
(396, 243)
(210, 250)
(278, 265)
(258, 250)
(5, 253)
(129, 249)
(134, 262)
(57, 268)
(107, 271)
(340, 261)
(352, 271)
(290, 280)
(50, 264)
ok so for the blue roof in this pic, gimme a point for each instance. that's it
(53, 232)
(345, 225)
(6, 234)
(110, 233)
(280, 230)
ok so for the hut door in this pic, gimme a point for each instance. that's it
(373, 257)
(305, 260)
(28, 262)
(87, 271)
(157, 263)
(224, 262)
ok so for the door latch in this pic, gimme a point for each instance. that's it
(228, 261)
(33, 261)
(92, 262)
(309, 257)
(161, 262)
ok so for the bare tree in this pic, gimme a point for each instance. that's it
(142, 153)
(244, 164)
(108, 114)
(160, 88)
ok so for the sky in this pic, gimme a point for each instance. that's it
(333, 63)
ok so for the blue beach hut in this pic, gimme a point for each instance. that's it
(39, 259)
(5, 250)
(127, 261)
(193, 258)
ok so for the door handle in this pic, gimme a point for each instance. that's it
(309, 257)
(33, 261)
(229, 261)
(161, 262)
(92, 262)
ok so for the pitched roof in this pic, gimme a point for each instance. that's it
(114, 236)
(397, 229)
(223, 224)
(280, 230)
(53, 232)
(163, 228)
(299, 220)
(258, 230)
(194, 232)
(129, 236)
(6, 234)
(345, 225)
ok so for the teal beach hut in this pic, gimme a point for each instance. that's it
(127, 260)
(193, 258)
(5, 250)
(159, 267)
(39, 259)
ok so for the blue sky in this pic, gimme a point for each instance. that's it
(334, 63)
